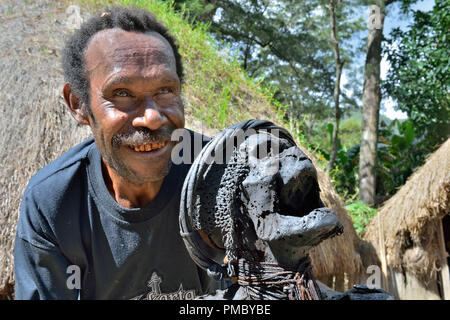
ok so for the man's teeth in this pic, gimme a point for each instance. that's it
(148, 146)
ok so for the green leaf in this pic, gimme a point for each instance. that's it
(409, 131)
(330, 128)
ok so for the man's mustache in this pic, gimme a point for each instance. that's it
(142, 136)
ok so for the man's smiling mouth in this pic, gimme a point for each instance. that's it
(148, 146)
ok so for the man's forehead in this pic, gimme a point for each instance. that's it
(120, 46)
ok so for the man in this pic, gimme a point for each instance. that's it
(101, 221)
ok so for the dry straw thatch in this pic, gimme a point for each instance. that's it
(409, 219)
(35, 128)
(339, 255)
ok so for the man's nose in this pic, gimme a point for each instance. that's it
(152, 118)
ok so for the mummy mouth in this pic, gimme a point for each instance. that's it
(147, 147)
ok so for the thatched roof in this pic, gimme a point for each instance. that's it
(409, 219)
(340, 254)
(35, 128)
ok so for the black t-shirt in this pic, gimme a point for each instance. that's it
(74, 241)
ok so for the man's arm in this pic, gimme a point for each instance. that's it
(40, 274)
(40, 268)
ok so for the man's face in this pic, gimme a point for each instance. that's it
(135, 101)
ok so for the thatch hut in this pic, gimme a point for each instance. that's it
(337, 261)
(411, 232)
(35, 128)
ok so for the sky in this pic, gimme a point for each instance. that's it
(396, 20)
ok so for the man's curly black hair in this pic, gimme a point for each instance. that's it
(126, 18)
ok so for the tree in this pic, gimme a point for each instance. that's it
(337, 82)
(287, 44)
(372, 98)
(371, 103)
(419, 78)
(280, 43)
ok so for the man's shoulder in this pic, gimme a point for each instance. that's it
(59, 171)
(51, 197)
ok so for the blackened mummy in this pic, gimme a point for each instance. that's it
(253, 195)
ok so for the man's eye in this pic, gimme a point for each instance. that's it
(122, 93)
(165, 90)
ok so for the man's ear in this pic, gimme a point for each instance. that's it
(77, 109)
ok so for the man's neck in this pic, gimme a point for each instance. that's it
(126, 193)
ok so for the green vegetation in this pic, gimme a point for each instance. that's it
(361, 215)
(400, 151)
(349, 133)
(419, 77)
